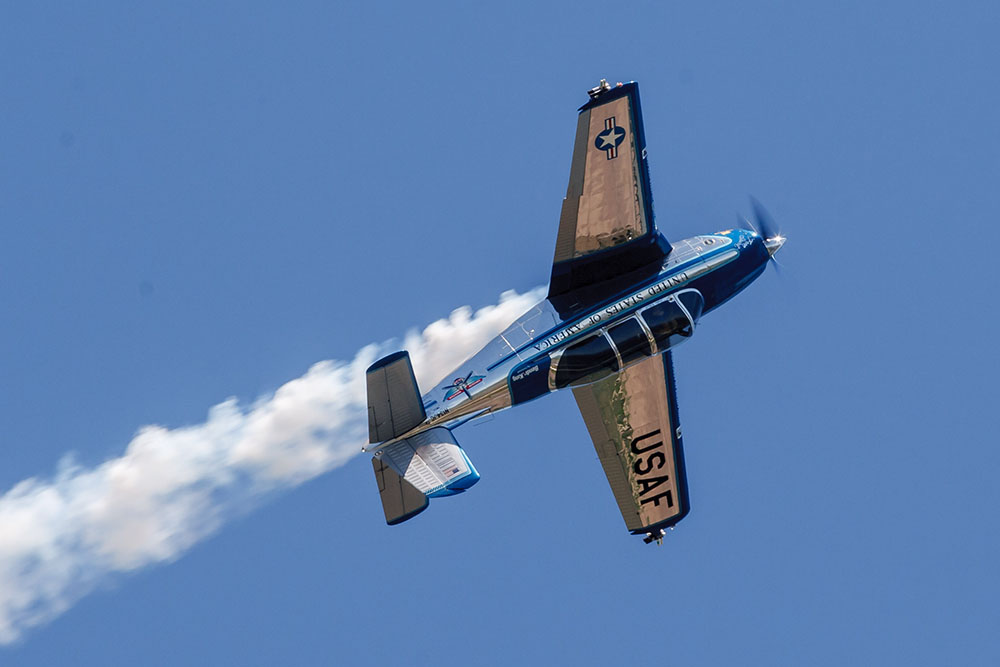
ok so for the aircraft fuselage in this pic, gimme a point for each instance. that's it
(544, 351)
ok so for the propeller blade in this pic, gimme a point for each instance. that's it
(764, 222)
(766, 228)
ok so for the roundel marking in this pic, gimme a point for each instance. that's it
(610, 138)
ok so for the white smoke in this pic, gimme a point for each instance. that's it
(61, 537)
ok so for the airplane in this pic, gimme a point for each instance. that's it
(620, 298)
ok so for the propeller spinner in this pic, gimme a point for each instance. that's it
(764, 225)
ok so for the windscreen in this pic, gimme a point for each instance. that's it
(586, 361)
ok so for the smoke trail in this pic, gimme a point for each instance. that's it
(59, 538)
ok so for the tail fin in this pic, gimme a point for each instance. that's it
(394, 405)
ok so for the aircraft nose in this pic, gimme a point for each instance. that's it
(774, 244)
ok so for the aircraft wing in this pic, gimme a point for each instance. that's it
(606, 229)
(632, 419)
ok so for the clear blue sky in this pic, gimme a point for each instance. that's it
(198, 203)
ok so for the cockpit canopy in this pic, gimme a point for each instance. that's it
(650, 331)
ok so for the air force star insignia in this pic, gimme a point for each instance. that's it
(610, 138)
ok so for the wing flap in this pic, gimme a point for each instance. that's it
(632, 420)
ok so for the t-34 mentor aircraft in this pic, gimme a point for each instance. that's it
(620, 298)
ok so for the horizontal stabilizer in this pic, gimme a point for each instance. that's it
(427, 465)
(433, 462)
(400, 499)
(394, 405)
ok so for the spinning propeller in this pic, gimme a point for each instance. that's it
(764, 225)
